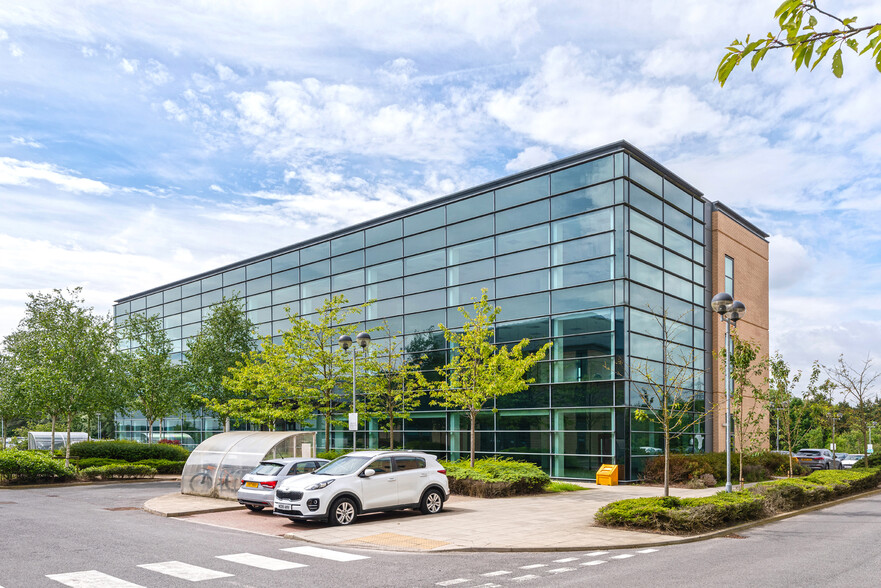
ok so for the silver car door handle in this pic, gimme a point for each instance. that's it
(423, 475)
(391, 479)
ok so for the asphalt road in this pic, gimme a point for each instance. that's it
(97, 536)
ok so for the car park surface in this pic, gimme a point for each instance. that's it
(257, 489)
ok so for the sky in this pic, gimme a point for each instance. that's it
(144, 142)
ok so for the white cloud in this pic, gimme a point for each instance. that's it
(216, 188)
(790, 262)
(26, 142)
(14, 172)
(226, 74)
(174, 111)
(129, 66)
(88, 51)
(156, 73)
(530, 157)
(15, 50)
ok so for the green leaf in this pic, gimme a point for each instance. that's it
(852, 43)
(837, 65)
(812, 22)
(878, 61)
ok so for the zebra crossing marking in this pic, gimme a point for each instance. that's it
(646, 551)
(622, 556)
(499, 573)
(325, 553)
(533, 566)
(594, 562)
(453, 582)
(91, 579)
(261, 561)
(184, 571)
(525, 578)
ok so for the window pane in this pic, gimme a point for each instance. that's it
(385, 308)
(470, 207)
(259, 301)
(523, 261)
(314, 271)
(348, 280)
(424, 241)
(677, 220)
(315, 252)
(645, 202)
(582, 297)
(388, 289)
(585, 224)
(515, 331)
(171, 308)
(583, 200)
(592, 172)
(256, 270)
(641, 346)
(645, 176)
(469, 230)
(234, 276)
(285, 295)
(585, 272)
(645, 298)
(470, 272)
(523, 283)
(427, 281)
(523, 306)
(383, 233)
(213, 297)
(646, 250)
(156, 299)
(212, 282)
(258, 285)
(645, 226)
(523, 192)
(386, 271)
(424, 221)
(521, 216)
(287, 278)
(645, 323)
(347, 243)
(286, 261)
(191, 303)
(470, 251)
(186, 290)
(423, 263)
(678, 197)
(595, 246)
(677, 242)
(347, 262)
(167, 296)
(462, 295)
(647, 274)
(679, 265)
(523, 239)
(385, 252)
(424, 321)
(315, 288)
(583, 322)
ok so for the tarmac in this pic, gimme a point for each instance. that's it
(547, 522)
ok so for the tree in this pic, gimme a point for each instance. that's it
(748, 400)
(858, 383)
(225, 337)
(293, 380)
(478, 370)
(798, 32)
(64, 355)
(666, 390)
(392, 385)
(11, 401)
(154, 384)
(784, 403)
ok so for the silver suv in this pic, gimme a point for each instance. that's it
(362, 482)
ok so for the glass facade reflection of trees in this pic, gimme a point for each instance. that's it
(586, 253)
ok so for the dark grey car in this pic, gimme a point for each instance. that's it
(258, 487)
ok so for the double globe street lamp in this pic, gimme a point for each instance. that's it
(363, 340)
(730, 311)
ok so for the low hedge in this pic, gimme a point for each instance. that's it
(129, 451)
(688, 466)
(118, 472)
(163, 466)
(696, 515)
(495, 477)
(24, 467)
(96, 462)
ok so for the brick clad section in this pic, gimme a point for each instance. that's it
(750, 254)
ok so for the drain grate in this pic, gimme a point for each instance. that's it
(118, 508)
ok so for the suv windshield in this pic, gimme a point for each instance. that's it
(341, 466)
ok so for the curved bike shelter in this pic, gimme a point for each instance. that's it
(216, 466)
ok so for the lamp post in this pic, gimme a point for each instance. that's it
(730, 311)
(363, 339)
(835, 416)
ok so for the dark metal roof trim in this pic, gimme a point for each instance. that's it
(618, 146)
(740, 220)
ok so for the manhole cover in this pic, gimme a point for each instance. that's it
(117, 508)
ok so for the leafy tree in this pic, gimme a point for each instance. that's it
(154, 384)
(798, 21)
(292, 380)
(63, 355)
(857, 383)
(479, 371)
(11, 401)
(225, 337)
(666, 390)
(749, 402)
(392, 385)
(786, 406)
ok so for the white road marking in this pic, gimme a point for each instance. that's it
(261, 561)
(325, 553)
(185, 571)
(646, 551)
(524, 578)
(622, 556)
(533, 566)
(594, 562)
(91, 579)
(488, 585)
(499, 573)
(453, 582)
(595, 553)
(565, 560)
(560, 570)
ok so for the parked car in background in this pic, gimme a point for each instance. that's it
(258, 486)
(365, 481)
(817, 459)
(848, 462)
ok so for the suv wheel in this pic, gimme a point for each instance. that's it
(432, 502)
(343, 512)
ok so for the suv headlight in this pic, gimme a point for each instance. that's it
(320, 485)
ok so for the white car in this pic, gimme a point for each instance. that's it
(849, 461)
(362, 482)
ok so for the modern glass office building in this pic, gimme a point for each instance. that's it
(587, 252)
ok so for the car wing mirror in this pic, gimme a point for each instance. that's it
(368, 472)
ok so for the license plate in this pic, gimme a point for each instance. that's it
(283, 506)
(251, 485)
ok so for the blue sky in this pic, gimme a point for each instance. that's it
(145, 142)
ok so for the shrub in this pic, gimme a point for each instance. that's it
(163, 466)
(22, 467)
(118, 471)
(333, 453)
(96, 462)
(684, 467)
(874, 461)
(494, 477)
(129, 451)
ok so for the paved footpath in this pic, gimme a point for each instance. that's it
(528, 523)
